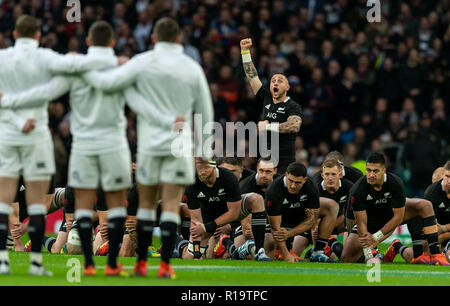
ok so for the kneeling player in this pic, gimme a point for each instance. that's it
(378, 202)
(215, 201)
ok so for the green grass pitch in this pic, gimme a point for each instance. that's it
(230, 273)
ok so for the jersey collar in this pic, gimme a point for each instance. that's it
(25, 43)
(442, 185)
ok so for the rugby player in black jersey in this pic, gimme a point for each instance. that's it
(292, 204)
(214, 200)
(379, 206)
(334, 186)
(349, 173)
(281, 114)
(241, 233)
(438, 193)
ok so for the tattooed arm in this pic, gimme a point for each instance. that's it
(249, 67)
(311, 216)
(292, 125)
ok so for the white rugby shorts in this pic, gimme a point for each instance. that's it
(153, 170)
(36, 162)
(111, 171)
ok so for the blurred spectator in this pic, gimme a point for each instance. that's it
(388, 80)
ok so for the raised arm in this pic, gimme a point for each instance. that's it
(38, 95)
(249, 67)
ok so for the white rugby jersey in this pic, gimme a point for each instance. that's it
(26, 65)
(171, 81)
(97, 119)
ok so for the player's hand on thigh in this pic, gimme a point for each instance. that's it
(223, 230)
(366, 240)
(198, 230)
(280, 235)
(17, 230)
(30, 124)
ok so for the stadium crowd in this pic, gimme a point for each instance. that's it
(362, 86)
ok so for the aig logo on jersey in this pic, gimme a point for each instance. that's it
(214, 199)
(271, 115)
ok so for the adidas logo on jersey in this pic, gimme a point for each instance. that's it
(200, 195)
(267, 106)
(369, 198)
(285, 201)
(442, 205)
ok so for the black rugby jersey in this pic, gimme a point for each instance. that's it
(377, 204)
(213, 200)
(441, 203)
(291, 207)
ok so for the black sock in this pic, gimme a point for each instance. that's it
(397, 247)
(180, 245)
(168, 237)
(259, 229)
(4, 224)
(185, 228)
(336, 247)
(415, 229)
(320, 244)
(144, 231)
(229, 245)
(36, 230)
(433, 243)
(85, 233)
(116, 229)
(48, 242)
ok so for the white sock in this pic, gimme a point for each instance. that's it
(36, 258)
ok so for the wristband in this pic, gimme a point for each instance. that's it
(368, 253)
(273, 127)
(210, 227)
(378, 236)
(246, 56)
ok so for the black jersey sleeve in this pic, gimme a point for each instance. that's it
(273, 201)
(232, 187)
(429, 195)
(357, 202)
(313, 195)
(398, 193)
(191, 199)
(294, 109)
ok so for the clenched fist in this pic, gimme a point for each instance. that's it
(246, 44)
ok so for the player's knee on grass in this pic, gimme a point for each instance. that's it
(128, 249)
(299, 245)
(352, 249)
(74, 243)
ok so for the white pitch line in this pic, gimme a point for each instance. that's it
(295, 270)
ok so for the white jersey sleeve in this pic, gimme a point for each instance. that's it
(38, 95)
(115, 79)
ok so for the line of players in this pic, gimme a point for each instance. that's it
(265, 215)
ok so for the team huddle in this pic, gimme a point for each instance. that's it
(205, 207)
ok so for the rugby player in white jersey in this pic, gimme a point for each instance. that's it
(177, 87)
(100, 152)
(24, 66)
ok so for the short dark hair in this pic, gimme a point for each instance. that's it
(235, 161)
(297, 169)
(376, 158)
(167, 29)
(27, 26)
(101, 33)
